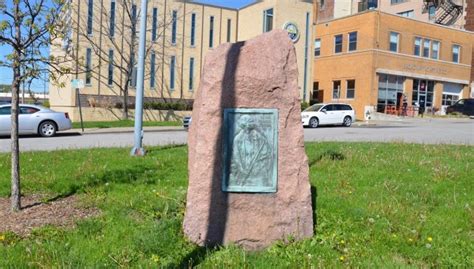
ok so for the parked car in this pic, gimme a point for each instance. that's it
(34, 119)
(463, 106)
(187, 122)
(328, 114)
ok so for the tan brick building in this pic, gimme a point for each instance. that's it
(371, 59)
(103, 43)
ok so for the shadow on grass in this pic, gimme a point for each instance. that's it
(195, 257)
(331, 154)
(314, 201)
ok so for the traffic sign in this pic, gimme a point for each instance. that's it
(77, 83)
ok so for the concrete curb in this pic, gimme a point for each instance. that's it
(92, 131)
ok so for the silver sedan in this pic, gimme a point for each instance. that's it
(34, 119)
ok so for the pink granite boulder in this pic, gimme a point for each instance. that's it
(258, 73)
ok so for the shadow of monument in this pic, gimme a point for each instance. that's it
(314, 201)
(217, 217)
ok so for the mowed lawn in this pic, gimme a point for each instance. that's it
(377, 205)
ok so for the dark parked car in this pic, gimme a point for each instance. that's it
(463, 106)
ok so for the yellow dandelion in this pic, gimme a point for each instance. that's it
(342, 258)
(430, 239)
(410, 240)
(2, 237)
(394, 235)
(343, 242)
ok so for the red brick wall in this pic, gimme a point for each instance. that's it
(326, 12)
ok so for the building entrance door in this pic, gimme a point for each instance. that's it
(423, 93)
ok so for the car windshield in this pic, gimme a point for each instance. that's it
(315, 107)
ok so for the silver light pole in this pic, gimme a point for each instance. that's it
(138, 149)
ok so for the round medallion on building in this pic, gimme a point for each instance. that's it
(293, 31)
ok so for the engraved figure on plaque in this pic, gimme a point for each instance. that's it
(250, 150)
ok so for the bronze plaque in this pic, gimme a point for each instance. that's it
(250, 150)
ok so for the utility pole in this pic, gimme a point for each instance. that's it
(138, 149)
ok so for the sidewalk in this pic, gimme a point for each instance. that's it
(125, 130)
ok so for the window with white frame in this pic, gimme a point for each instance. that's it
(350, 89)
(394, 41)
(417, 46)
(317, 47)
(336, 89)
(456, 53)
(352, 41)
(426, 48)
(435, 49)
(337, 43)
(268, 20)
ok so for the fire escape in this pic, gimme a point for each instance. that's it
(447, 11)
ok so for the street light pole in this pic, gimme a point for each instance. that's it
(138, 149)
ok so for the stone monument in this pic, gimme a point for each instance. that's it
(248, 171)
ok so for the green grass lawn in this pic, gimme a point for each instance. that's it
(123, 123)
(377, 206)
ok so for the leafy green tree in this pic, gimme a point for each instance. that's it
(27, 29)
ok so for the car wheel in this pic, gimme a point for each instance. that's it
(47, 129)
(313, 122)
(347, 121)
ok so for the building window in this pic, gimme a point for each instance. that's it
(372, 4)
(452, 92)
(426, 48)
(112, 19)
(417, 49)
(408, 13)
(134, 20)
(352, 41)
(193, 29)
(456, 53)
(191, 73)
(152, 70)
(336, 89)
(110, 80)
(432, 12)
(393, 2)
(449, 99)
(317, 47)
(172, 71)
(211, 32)
(229, 29)
(268, 20)
(154, 25)
(90, 16)
(88, 66)
(350, 93)
(338, 44)
(174, 27)
(390, 91)
(435, 50)
(394, 41)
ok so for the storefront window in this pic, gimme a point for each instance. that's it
(390, 88)
(449, 99)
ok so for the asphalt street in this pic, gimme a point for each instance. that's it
(425, 131)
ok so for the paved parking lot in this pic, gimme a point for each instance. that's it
(426, 131)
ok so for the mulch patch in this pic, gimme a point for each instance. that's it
(63, 212)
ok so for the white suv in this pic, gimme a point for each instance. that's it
(328, 114)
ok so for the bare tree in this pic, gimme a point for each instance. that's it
(27, 28)
(115, 29)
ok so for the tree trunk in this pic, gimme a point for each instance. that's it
(15, 147)
(125, 102)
